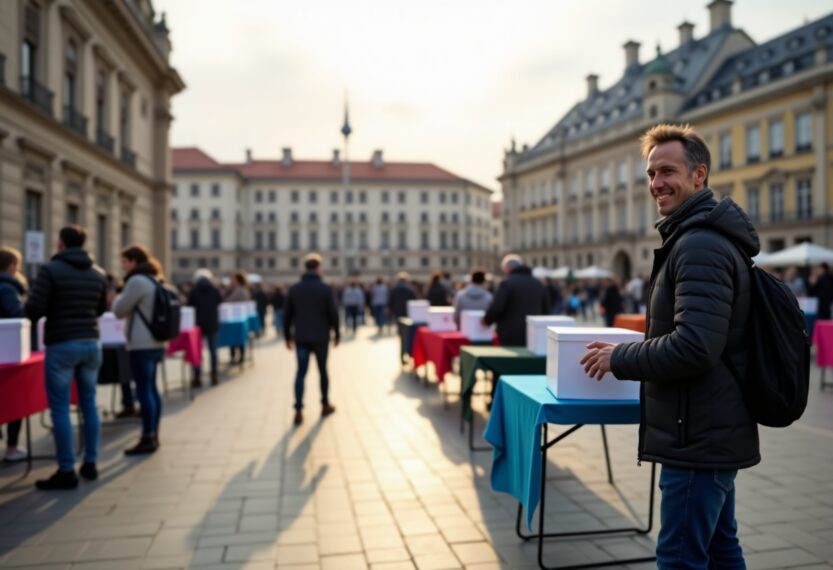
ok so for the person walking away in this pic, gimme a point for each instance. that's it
(795, 283)
(823, 291)
(554, 295)
(71, 292)
(310, 323)
(634, 290)
(12, 289)
(694, 420)
(474, 297)
(438, 295)
(277, 300)
(261, 303)
(238, 293)
(379, 295)
(206, 299)
(400, 294)
(136, 304)
(352, 299)
(611, 302)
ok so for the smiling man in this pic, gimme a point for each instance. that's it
(694, 420)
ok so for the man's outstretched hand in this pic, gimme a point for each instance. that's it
(597, 360)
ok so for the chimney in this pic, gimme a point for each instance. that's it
(686, 32)
(248, 156)
(287, 156)
(336, 157)
(720, 12)
(377, 159)
(631, 54)
(592, 85)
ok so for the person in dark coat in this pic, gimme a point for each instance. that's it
(437, 295)
(518, 296)
(611, 301)
(277, 301)
(822, 289)
(694, 419)
(310, 321)
(261, 300)
(206, 299)
(400, 294)
(11, 307)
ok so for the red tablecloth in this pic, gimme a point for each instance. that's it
(437, 347)
(823, 340)
(190, 342)
(22, 389)
(634, 322)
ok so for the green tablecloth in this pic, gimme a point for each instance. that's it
(501, 360)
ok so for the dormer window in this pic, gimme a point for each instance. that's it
(766, 55)
(795, 43)
(789, 67)
(823, 32)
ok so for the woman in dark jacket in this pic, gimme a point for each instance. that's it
(437, 295)
(206, 299)
(11, 307)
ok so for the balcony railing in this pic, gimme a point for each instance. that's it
(104, 140)
(33, 91)
(776, 218)
(75, 120)
(128, 157)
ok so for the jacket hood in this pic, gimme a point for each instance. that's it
(203, 284)
(13, 281)
(75, 256)
(702, 210)
(474, 292)
(310, 275)
(521, 270)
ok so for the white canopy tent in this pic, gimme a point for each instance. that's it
(761, 258)
(802, 255)
(592, 272)
(540, 272)
(560, 273)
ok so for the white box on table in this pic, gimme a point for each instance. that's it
(441, 319)
(473, 329)
(226, 312)
(418, 310)
(187, 318)
(240, 311)
(809, 305)
(251, 308)
(536, 330)
(112, 330)
(15, 340)
(566, 378)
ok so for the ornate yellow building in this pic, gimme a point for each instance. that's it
(579, 196)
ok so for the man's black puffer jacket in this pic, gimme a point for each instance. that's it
(71, 292)
(693, 413)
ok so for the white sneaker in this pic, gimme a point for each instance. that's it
(14, 454)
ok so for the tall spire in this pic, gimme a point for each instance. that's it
(345, 129)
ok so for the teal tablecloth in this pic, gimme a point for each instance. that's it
(521, 405)
(233, 333)
(255, 326)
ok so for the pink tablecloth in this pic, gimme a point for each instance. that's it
(189, 341)
(823, 340)
(23, 389)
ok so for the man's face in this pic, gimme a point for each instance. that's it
(669, 178)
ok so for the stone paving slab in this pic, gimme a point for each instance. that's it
(387, 482)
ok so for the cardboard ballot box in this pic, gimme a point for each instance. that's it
(536, 330)
(472, 329)
(15, 340)
(251, 308)
(418, 311)
(441, 319)
(566, 379)
(112, 330)
(226, 312)
(187, 318)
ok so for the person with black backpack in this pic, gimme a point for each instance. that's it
(696, 421)
(143, 303)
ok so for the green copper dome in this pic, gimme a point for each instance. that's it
(659, 66)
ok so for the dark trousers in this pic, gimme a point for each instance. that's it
(351, 313)
(144, 363)
(210, 342)
(235, 350)
(698, 529)
(13, 432)
(303, 351)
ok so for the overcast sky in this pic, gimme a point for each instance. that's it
(443, 81)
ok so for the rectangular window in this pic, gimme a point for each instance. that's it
(623, 220)
(423, 197)
(804, 199)
(574, 186)
(423, 218)
(622, 174)
(333, 239)
(362, 217)
(215, 213)
(803, 132)
(402, 197)
(348, 198)
(313, 217)
(362, 197)
(293, 217)
(174, 239)
(258, 217)
(454, 198)
(215, 239)
(725, 149)
(605, 183)
(74, 214)
(333, 197)
(424, 242)
(385, 240)
(385, 197)
(215, 190)
(443, 241)
(195, 214)
(313, 239)
(294, 240)
(402, 241)
(294, 197)
(776, 202)
(363, 240)
(348, 240)
(273, 240)
(753, 144)
(273, 196)
(259, 196)
(195, 190)
(313, 197)
(385, 217)
(125, 234)
(401, 217)
(195, 239)
(442, 197)
(639, 170)
(455, 241)
(776, 139)
(258, 240)
(334, 217)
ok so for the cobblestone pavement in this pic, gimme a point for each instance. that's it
(387, 482)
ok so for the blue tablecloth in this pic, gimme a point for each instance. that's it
(521, 405)
(233, 333)
(811, 322)
(255, 325)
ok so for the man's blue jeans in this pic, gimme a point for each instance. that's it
(303, 352)
(697, 520)
(79, 359)
(143, 363)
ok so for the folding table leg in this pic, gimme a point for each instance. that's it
(607, 456)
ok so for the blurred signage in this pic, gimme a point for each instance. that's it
(35, 248)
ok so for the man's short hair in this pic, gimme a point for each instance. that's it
(73, 236)
(312, 261)
(511, 261)
(403, 276)
(478, 276)
(203, 274)
(8, 256)
(694, 146)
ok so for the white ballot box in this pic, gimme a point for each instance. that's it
(472, 328)
(112, 330)
(441, 319)
(15, 340)
(566, 379)
(536, 330)
(226, 312)
(187, 318)
(251, 308)
(809, 305)
(240, 310)
(418, 310)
